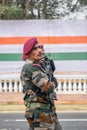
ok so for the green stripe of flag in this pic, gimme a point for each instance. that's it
(68, 56)
(54, 56)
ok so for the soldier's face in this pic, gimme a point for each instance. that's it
(43, 52)
(36, 53)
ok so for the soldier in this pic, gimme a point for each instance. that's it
(37, 88)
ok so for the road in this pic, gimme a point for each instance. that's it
(68, 120)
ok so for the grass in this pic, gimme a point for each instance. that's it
(59, 107)
(12, 107)
(71, 107)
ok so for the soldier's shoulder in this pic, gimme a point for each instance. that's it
(31, 67)
(27, 67)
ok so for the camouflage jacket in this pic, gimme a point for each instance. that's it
(35, 80)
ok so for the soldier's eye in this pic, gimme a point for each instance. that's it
(37, 47)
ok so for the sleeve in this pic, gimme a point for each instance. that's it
(25, 80)
(40, 80)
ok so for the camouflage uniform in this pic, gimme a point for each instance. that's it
(37, 88)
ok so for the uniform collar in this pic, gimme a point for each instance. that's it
(28, 61)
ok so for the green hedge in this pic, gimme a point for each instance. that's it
(9, 13)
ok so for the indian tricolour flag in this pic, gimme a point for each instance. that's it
(64, 41)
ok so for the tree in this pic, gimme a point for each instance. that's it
(45, 9)
(83, 2)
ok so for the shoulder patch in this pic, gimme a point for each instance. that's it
(36, 65)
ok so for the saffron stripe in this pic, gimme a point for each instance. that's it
(54, 56)
(46, 40)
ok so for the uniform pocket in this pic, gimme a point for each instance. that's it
(29, 114)
(46, 118)
(32, 117)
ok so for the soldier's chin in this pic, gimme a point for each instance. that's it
(39, 57)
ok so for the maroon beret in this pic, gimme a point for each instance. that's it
(28, 46)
